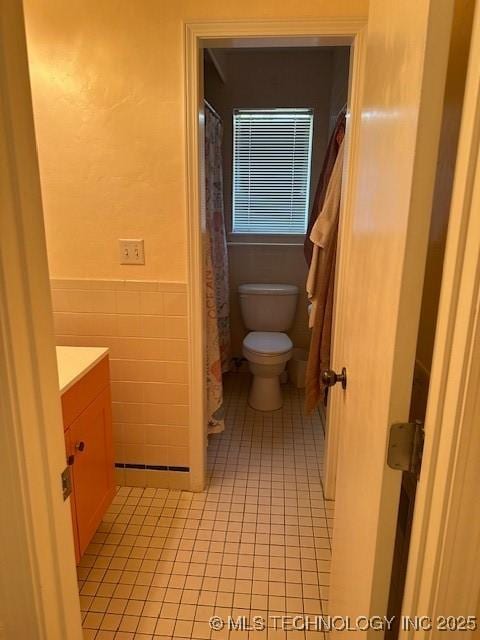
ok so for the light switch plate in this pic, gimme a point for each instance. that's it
(132, 251)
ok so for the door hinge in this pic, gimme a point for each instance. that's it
(66, 476)
(405, 446)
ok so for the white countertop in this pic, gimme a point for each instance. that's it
(74, 362)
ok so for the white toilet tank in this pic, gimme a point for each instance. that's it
(268, 307)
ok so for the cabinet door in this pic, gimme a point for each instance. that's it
(93, 473)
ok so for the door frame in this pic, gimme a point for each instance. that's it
(443, 573)
(38, 584)
(201, 35)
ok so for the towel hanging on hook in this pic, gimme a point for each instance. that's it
(328, 163)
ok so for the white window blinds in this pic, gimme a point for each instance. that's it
(271, 170)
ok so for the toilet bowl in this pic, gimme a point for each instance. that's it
(267, 353)
(268, 311)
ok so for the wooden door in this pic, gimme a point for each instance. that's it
(93, 473)
(449, 137)
(406, 57)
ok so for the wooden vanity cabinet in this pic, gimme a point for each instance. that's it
(87, 415)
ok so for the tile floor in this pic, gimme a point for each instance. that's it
(257, 542)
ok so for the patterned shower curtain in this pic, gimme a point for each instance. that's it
(216, 270)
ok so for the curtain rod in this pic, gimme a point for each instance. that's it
(214, 112)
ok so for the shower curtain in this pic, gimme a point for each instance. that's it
(216, 270)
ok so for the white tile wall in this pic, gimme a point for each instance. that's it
(144, 324)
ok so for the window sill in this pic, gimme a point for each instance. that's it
(276, 240)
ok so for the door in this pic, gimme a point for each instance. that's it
(406, 57)
(450, 129)
(38, 582)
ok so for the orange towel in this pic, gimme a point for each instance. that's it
(320, 285)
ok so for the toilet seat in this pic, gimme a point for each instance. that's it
(267, 347)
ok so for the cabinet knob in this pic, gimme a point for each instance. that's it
(80, 446)
(70, 459)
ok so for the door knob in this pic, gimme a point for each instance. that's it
(80, 446)
(330, 378)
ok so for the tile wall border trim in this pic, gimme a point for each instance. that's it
(150, 467)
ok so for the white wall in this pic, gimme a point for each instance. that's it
(108, 95)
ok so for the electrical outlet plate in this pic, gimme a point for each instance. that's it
(132, 251)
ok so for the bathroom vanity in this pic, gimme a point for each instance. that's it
(84, 382)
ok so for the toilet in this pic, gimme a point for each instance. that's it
(268, 311)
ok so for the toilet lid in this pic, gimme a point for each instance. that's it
(268, 289)
(268, 342)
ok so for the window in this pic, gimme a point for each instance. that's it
(271, 170)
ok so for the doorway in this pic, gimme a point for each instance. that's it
(346, 37)
(272, 116)
(264, 471)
